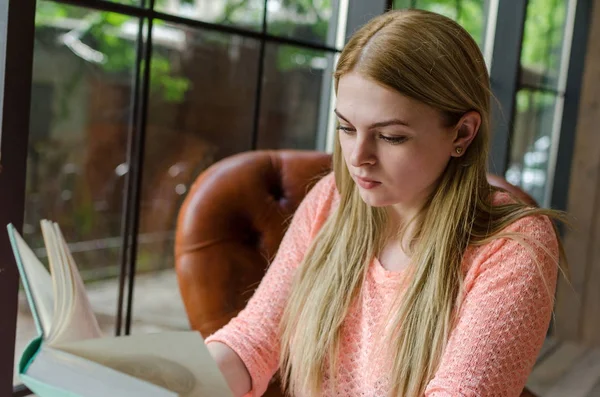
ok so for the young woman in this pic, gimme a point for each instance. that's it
(403, 273)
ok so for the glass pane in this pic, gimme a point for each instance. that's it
(241, 13)
(201, 109)
(80, 109)
(308, 20)
(543, 42)
(531, 142)
(292, 94)
(470, 14)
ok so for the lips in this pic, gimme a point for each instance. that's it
(366, 183)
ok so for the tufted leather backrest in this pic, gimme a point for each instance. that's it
(231, 224)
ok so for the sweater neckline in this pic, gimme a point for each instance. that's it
(381, 274)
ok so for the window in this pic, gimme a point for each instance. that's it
(84, 64)
(540, 96)
(470, 14)
(122, 92)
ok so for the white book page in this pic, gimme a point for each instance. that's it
(37, 282)
(177, 361)
(86, 378)
(80, 321)
(59, 283)
(77, 319)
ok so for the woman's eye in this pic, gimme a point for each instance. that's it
(346, 130)
(394, 140)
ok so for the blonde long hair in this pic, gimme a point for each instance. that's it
(432, 59)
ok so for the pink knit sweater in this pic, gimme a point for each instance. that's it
(491, 351)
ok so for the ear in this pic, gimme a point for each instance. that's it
(466, 130)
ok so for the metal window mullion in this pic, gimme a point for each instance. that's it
(560, 102)
(259, 80)
(340, 39)
(17, 30)
(134, 132)
(110, 6)
(490, 12)
(504, 76)
(137, 172)
(541, 88)
(326, 101)
(139, 12)
(566, 142)
(360, 12)
(263, 35)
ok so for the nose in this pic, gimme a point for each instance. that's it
(362, 152)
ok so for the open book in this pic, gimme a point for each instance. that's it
(71, 358)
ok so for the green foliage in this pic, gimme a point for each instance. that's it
(303, 7)
(171, 88)
(543, 36)
(289, 57)
(318, 10)
(468, 13)
(234, 9)
(101, 31)
(530, 100)
(47, 12)
(120, 54)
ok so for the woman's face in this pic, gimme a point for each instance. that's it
(395, 148)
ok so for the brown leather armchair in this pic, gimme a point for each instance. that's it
(231, 224)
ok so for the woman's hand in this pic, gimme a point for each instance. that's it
(232, 367)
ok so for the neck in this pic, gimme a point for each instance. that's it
(400, 214)
(401, 222)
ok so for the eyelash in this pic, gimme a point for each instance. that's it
(390, 140)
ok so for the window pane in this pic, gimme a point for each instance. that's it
(242, 13)
(291, 96)
(543, 42)
(308, 20)
(470, 14)
(80, 108)
(201, 109)
(531, 142)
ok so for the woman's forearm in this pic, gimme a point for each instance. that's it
(232, 367)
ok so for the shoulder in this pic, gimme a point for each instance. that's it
(528, 226)
(528, 239)
(324, 187)
(318, 202)
(322, 194)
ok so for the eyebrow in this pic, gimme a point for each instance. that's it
(378, 124)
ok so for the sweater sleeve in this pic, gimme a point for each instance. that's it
(253, 333)
(504, 318)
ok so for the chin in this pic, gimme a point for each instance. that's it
(373, 200)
